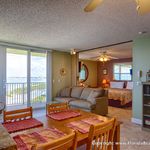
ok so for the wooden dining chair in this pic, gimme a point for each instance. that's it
(53, 108)
(68, 142)
(16, 115)
(100, 135)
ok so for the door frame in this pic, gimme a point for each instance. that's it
(48, 75)
(3, 74)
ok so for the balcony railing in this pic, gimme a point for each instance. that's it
(16, 93)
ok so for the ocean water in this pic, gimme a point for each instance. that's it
(24, 79)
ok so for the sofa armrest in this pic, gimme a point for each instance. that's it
(101, 107)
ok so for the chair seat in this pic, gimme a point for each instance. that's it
(22, 125)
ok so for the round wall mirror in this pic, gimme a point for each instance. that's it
(83, 74)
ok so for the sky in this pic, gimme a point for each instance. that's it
(17, 65)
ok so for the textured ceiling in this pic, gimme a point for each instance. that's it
(62, 24)
(119, 51)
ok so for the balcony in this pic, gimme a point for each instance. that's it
(16, 94)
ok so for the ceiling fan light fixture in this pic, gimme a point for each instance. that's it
(101, 59)
(105, 59)
(73, 52)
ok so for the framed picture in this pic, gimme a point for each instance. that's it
(105, 71)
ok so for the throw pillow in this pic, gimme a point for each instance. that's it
(94, 94)
(65, 92)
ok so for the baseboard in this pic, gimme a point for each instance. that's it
(136, 121)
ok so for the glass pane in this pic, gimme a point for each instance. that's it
(38, 79)
(116, 76)
(125, 77)
(116, 69)
(16, 84)
(125, 68)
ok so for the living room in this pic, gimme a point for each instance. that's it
(44, 46)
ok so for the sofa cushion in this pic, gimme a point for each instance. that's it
(65, 92)
(84, 109)
(85, 93)
(80, 103)
(76, 92)
(63, 99)
(94, 94)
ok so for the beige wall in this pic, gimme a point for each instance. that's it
(60, 60)
(92, 68)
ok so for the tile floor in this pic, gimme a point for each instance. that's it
(129, 131)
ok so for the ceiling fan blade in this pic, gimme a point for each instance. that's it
(92, 5)
(97, 57)
(143, 6)
(111, 57)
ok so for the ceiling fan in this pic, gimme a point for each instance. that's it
(104, 57)
(143, 6)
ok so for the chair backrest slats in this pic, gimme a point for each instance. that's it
(102, 134)
(53, 108)
(16, 115)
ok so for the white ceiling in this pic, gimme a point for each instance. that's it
(62, 24)
(119, 51)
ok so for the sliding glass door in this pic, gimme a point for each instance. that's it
(38, 79)
(26, 74)
(16, 75)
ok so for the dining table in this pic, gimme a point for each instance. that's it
(62, 126)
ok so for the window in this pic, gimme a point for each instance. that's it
(122, 71)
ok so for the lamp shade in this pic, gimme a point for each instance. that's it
(104, 81)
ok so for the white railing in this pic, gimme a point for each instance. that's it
(16, 93)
